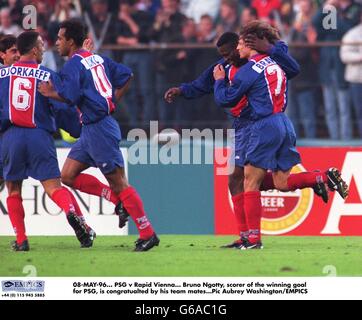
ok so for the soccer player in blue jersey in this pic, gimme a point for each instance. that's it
(28, 147)
(93, 83)
(204, 84)
(9, 54)
(270, 137)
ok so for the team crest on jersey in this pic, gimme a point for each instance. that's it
(285, 211)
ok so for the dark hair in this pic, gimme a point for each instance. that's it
(76, 30)
(27, 41)
(261, 29)
(6, 42)
(228, 38)
(252, 11)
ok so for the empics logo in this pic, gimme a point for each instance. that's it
(284, 211)
(23, 286)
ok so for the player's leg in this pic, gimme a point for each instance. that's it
(133, 206)
(80, 215)
(14, 154)
(287, 158)
(73, 177)
(254, 177)
(43, 166)
(236, 187)
(62, 197)
(16, 212)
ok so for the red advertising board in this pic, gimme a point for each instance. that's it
(301, 212)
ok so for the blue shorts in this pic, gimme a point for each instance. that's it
(241, 138)
(29, 152)
(98, 146)
(268, 143)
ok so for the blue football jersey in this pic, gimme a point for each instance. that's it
(264, 83)
(89, 81)
(20, 102)
(204, 84)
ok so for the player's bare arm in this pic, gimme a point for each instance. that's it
(171, 94)
(120, 92)
(46, 88)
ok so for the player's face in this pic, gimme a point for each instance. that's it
(244, 51)
(10, 56)
(39, 50)
(230, 54)
(62, 44)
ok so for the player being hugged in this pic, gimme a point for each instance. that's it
(28, 147)
(270, 140)
(94, 83)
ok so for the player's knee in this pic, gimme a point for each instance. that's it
(251, 184)
(235, 185)
(280, 184)
(67, 179)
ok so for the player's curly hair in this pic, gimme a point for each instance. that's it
(261, 29)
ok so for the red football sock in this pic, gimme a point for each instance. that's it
(133, 205)
(268, 183)
(305, 180)
(17, 215)
(253, 211)
(91, 185)
(238, 201)
(78, 211)
(62, 197)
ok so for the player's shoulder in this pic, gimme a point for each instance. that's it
(260, 62)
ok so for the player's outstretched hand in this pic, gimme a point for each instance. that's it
(46, 88)
(171, 94)
(260, 45)
(219, 72)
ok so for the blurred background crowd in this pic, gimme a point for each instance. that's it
(325, 100)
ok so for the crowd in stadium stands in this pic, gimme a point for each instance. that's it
(325, 100)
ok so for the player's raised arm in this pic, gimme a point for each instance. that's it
(277, 51)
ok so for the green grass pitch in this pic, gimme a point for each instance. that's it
(185, 255)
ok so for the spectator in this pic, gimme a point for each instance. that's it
(134, 27)
(229, 17)
(247, 15)
(302, 101)
(265, 8)
(351, 55)
(99, 20)
(6, 24)
(167, 29)
(331, 69)
(206, 32)
(64, 10)
(195, 9)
